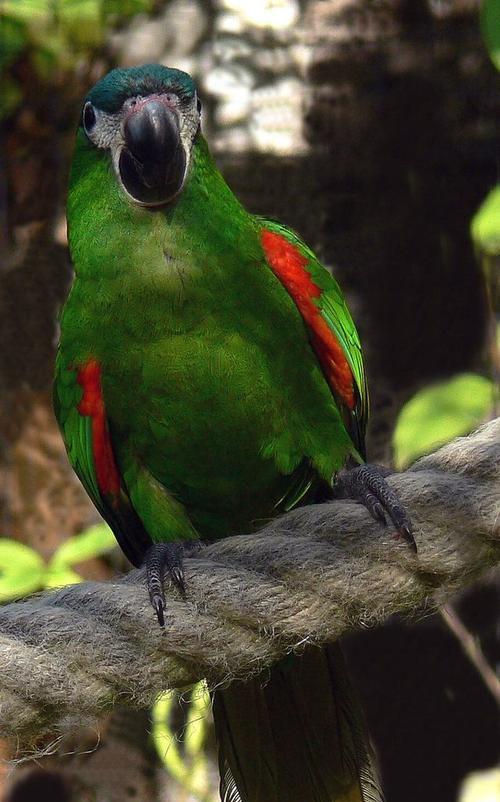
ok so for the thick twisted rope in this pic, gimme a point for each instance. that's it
(308, 577)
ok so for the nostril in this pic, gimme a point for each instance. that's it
(132, 102)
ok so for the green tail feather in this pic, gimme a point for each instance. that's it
(295, 735)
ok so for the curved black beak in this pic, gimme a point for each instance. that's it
(152, 164)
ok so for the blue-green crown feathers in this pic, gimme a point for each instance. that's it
(110, 92)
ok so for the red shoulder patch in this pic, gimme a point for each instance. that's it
(92, 406)
(289, 265)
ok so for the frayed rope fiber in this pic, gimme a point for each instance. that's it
(68, 655)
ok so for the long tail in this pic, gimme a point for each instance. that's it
(295, 735)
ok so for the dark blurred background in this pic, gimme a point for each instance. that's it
(370, 127)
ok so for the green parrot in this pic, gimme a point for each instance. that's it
(209, 376)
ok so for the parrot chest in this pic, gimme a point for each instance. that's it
(221, 400)
(205, 405)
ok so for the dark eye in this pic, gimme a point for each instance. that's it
(198, 105)
(172, 98)
(89, 118)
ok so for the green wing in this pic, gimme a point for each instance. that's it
(76, 430)
(333, 309)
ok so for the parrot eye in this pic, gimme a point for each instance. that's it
(89, 118)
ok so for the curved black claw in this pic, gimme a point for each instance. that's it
(366, 484)
(162, 560)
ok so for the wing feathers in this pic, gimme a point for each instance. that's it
(81, 413)
(329, 324)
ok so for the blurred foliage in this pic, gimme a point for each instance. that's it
(184, 755)
(481, 786)
(439, 413)
(490, 29)
(485, 225)
(24, 571)
(54, 35)
(485, 233)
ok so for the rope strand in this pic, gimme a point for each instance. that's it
(68, 655)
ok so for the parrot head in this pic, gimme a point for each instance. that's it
(147, 119)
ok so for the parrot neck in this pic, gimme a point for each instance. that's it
(206, 192)
(110, 236)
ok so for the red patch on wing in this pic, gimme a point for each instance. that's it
(289, 265)
(92, 406)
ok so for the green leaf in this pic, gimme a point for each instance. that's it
(57, 577)
(15, 556)
(22, 570)
(94, 542)
(164, 739)
(195, 733)
(15, 585)
(490, 29)
(485, 225)
(439, 413)
(188, 767)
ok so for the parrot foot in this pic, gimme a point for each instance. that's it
(366, 484)
(162, 560)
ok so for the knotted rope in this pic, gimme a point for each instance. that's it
(317, 572)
